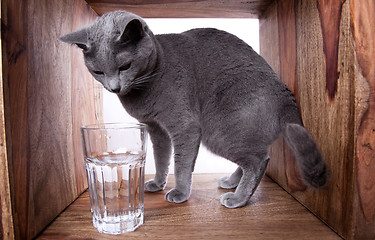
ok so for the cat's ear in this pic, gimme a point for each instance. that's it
(78, 37)
(133, 32)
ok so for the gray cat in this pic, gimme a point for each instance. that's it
(203, 85)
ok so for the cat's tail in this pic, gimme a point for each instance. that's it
(309, 160)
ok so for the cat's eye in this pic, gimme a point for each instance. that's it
(98, 72)
(124, 67)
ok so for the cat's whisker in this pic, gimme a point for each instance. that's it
(143, 81)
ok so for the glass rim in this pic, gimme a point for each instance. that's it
(114, 125)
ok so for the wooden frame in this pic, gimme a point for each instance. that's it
(323, 50)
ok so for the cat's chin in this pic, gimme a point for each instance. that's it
(124, 92)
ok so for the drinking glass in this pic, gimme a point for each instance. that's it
(115, 159)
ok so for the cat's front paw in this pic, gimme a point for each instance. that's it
(175, 196)
(152, 186)
(226, 183)
(231, 200)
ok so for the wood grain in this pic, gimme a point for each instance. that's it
(42, 115)
(363, 28)
(334, 90)
(271, 214)
(184, 8)
(14, 38)
(330, 121)
(49, 115)
(330, 16)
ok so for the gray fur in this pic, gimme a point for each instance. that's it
(203, 85)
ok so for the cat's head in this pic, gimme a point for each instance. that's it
(119, 50)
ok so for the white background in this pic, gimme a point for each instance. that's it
(246, 29)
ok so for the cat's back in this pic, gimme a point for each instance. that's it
(213, 52)
(221, 63)
(214, 42)
(219, 53)
(214, 36)
(205, 42)
(225, 59)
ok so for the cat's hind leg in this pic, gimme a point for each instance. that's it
(252, 173)
(232, 181)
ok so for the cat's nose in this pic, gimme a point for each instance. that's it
(116, 89)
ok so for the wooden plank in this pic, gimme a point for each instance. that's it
(45, 157)
(202, 216)
(328, 103)
(52, 183)
(6, 218)
(363, 27)
(329, 119)
(59, 108)
(184, 8)
(15, 89)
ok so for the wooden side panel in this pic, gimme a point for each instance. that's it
(61, 99)
(328, 116)
(6, 218)
(52, 184)
(332, 99)
(14, 39)
(47, 101)
(363, 30)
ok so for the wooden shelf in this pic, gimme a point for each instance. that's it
(184, 8)
(271, 214)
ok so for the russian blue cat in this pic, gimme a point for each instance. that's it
(203, 85)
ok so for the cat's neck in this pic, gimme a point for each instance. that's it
(160, 59)
(152, 76)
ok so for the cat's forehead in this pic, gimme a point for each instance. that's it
(107, 28)
(114, 21)
(104, 37)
